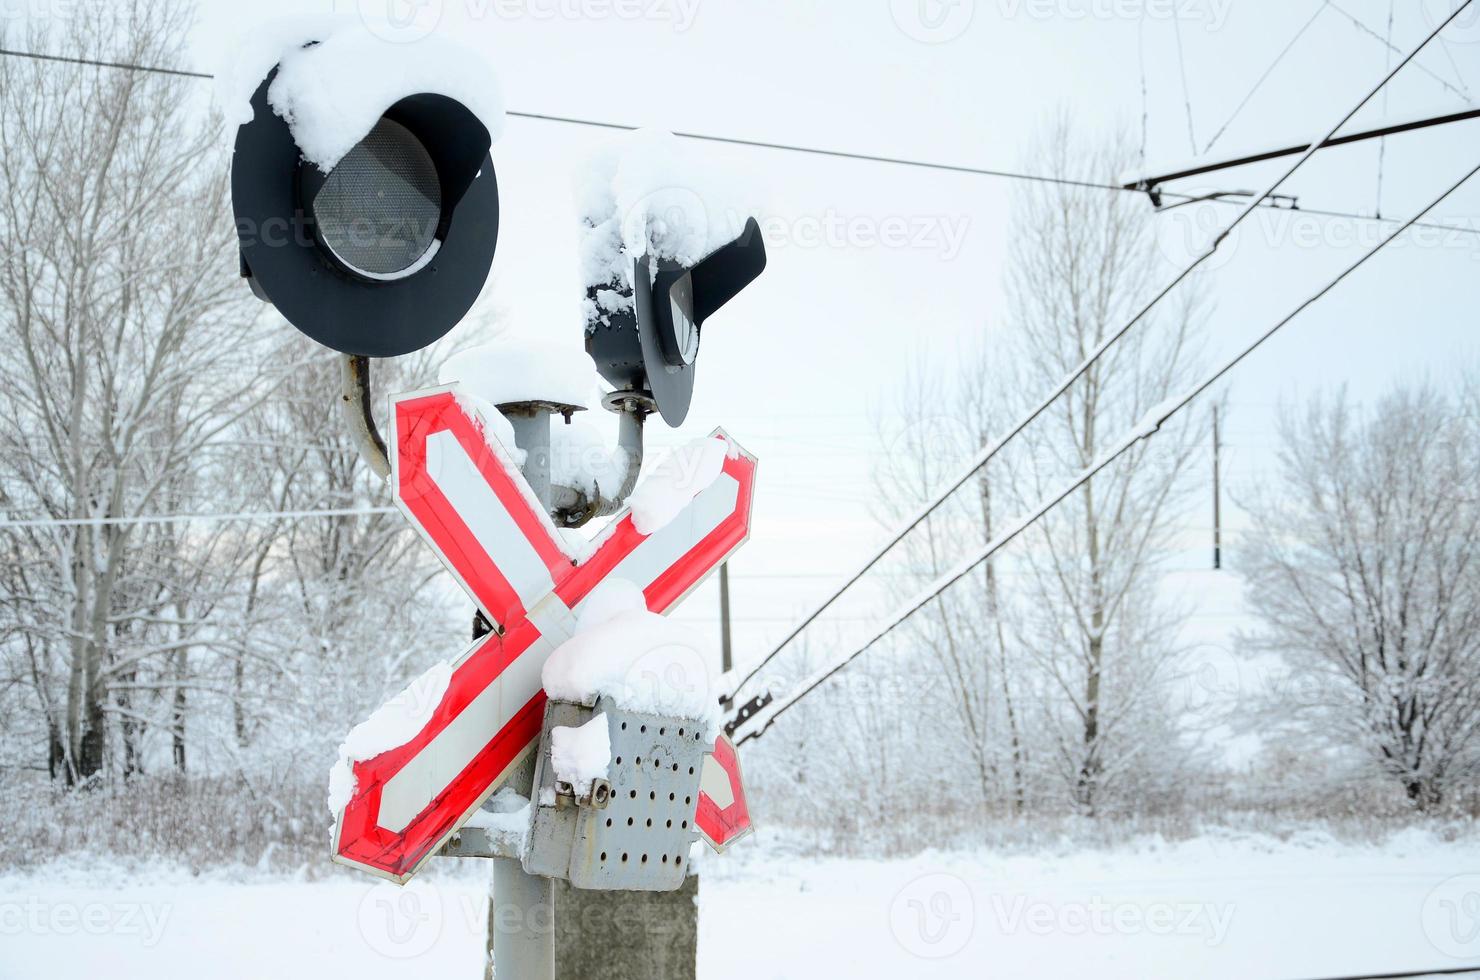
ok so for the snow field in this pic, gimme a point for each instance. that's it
(1218, 906)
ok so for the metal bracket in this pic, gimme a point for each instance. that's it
(572, 506)
(479, 843)
(355, 398)
(638, 838)
(475, 842)
(747, 710)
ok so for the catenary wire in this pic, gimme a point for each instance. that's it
(901, 161)
(1182, 68)
(754, 725)
(782, 147)
(1259, 82)
(264, 515)
(989, 451)
(1362, 26)
(1443, 971)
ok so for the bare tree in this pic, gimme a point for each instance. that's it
(944, 417)
(1052, 659)
(1082, 265)
(128, 353)
(1365, 575)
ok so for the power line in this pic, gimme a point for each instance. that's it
(1361, 26)
(1186, 93)
(976, 171)
(1382, 143)
(1375, 218)
(194, 518)
(839, 154)
(1263, 77)
(1443, 971)
(791, 576)
(1145, 96)
(626, 127)
(760, 713)
(770, 145)
(95, 63)
(993, 448)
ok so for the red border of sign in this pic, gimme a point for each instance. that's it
(723, 827)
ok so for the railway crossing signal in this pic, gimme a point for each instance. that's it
(468, 499)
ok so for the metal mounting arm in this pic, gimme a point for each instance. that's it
(573, 507)
(355, 399)
(1151, 183)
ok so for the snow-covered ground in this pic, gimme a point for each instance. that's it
(1223, 905)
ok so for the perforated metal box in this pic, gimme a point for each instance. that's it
(639, 839)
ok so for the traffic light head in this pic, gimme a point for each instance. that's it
(386, 251)
(653, 342)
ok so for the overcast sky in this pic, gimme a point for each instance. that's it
(798, 366)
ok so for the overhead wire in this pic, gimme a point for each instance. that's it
(1186, 92)
(1259, 82)
(1145, 94)
(967, 169)
(263, 515)
(1362, 26)
(1259, 202)
(749, 726)
(1382, 143)
(627, 127)
(991, 449)
(1443, 971)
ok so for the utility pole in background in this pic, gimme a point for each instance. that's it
(1217, 495)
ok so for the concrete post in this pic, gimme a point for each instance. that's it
(627, 935)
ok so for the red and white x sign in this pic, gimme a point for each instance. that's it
(468, 499)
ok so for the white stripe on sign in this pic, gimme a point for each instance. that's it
(714, 783)
(485, 515)
(553, 618)
(411, 790)
(679, 536)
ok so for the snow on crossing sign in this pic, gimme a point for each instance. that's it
(467, 498)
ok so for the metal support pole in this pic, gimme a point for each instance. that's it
(532, 435)
(354, 398)
(521, 909)
(521, 923)
(600, 935)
